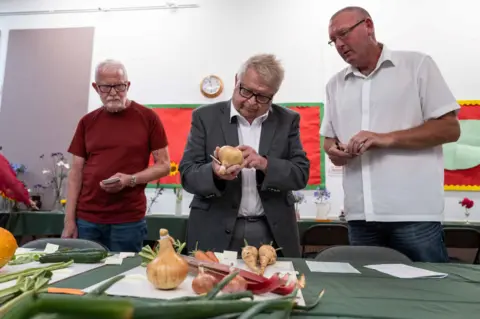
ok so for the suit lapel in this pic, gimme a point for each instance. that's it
(268, 131)
(229, 127)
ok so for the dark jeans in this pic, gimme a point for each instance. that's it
(420, 241)
(127, 237)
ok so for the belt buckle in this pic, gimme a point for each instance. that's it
(252, 218)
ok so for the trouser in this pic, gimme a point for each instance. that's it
(420, 241)
(254, 230)
(126, 237)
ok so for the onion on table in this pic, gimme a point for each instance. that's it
(228, 156)
(203, 282)
(168, 270)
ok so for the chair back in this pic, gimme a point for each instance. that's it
(362, 254)
(463, 237)
(63, 243)
(324, 234)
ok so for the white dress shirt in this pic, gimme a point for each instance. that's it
(405, 90)
(249, 134)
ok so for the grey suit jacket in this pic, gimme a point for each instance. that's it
(214, 208)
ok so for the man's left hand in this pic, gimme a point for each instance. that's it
(117, 186)
(251, 159)
(364, 140)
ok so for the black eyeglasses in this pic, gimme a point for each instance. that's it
(108, 88)
(246, 93)
(342, 34)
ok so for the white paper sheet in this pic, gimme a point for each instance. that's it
(331, 267)
(58, 275)
(136, 284)
(406, 271)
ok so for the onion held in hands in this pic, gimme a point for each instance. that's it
(228, 156)
(203, 282)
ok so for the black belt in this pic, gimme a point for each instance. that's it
(252, 219)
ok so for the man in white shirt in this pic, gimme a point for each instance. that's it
(387, 115)
(253, 202)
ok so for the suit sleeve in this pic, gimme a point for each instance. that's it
(287, 174)
(195, 168)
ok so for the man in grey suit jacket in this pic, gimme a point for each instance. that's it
(253, 202)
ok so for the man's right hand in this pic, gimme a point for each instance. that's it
(338, 155)
(69, 229)
(230, 173)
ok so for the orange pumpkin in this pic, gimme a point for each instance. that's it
(8, 246)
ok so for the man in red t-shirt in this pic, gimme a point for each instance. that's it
(114, 143)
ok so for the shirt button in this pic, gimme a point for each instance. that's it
(227, 231)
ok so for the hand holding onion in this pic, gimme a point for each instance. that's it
(231, 159)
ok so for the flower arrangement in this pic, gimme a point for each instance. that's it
(321, 195)
(467, 203)
(56, 175)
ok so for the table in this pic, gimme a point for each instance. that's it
(369, 295)
(38, 223)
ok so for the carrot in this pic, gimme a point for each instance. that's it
(250, 256)
(211, 255)
(267, 256)
(200, 255)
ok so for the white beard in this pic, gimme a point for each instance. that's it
(114, 106)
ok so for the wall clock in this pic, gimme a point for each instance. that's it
(211, 86)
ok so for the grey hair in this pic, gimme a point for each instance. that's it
(110, 64)
(267, 66)
(359, 10)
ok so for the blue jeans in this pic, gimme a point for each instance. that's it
(420, 241)
(127, 237)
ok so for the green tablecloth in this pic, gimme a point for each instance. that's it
(51, 223)
(368, 295)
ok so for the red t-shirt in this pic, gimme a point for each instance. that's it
(114, 143)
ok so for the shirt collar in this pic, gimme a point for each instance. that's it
(385, 57)
(234, 112)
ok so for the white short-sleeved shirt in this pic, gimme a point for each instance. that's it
(405, 90)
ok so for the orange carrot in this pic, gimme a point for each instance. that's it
(249, 257)
(211, 255)
(200, 255)
(68, 291)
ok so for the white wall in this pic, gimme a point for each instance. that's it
(167, 53)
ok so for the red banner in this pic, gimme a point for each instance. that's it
(177, 118)
(465, 179)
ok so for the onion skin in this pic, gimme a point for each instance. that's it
(203, 282)
(168, 270)
(237, 284)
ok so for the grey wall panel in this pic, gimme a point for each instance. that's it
(45, 93)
